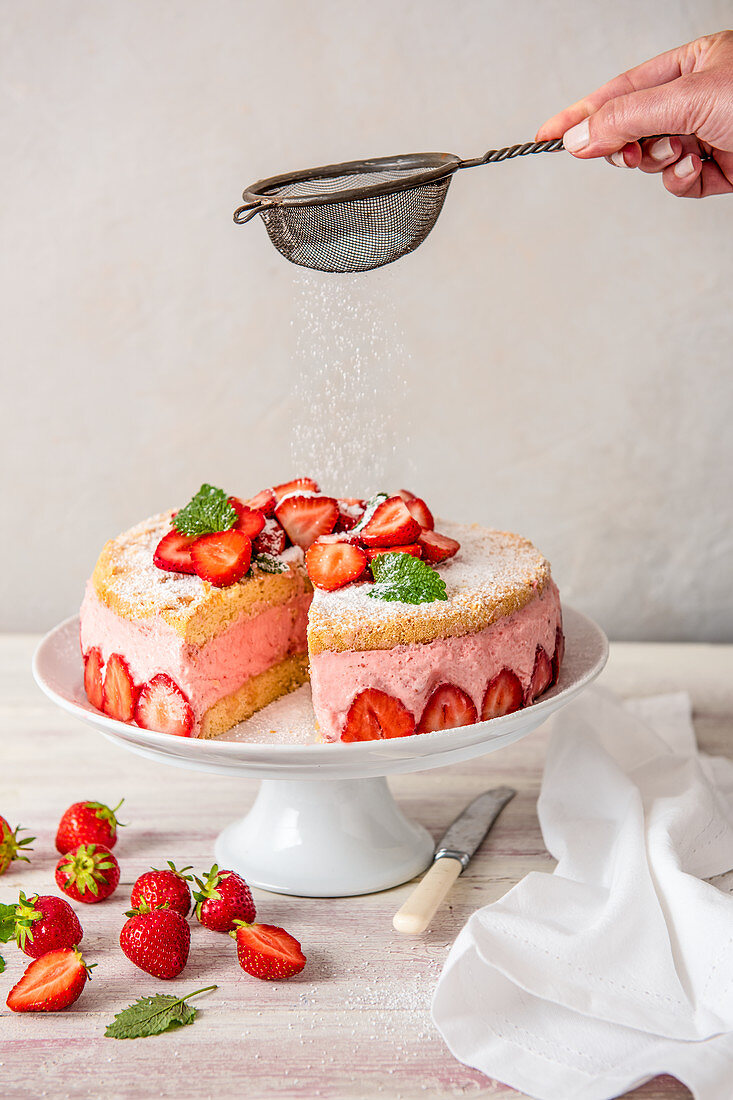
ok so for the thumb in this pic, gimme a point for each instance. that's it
(673, 108)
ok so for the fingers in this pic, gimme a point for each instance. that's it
(694, 178)
(671, 109)
(650, 74)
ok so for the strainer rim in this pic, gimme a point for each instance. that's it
(435, 166)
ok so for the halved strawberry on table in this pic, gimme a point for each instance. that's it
(436, 548)
(447, 708)
(173, 553)
(162, 706)
(223, 557)
(333, 564)
(266, 951)
(50, 983)
(374, 714)
(391, 524)
(305, 518)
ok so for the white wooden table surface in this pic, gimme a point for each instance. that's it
(356, 1022)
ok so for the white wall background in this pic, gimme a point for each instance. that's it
(569, 324)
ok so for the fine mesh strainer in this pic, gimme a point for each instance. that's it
(364, 213)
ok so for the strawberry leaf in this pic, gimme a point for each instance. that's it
(153, 1016)
(206, 513)
(405, 579)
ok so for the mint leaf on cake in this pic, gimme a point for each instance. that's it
(208, 512)
(153, 1016)
(401, 577)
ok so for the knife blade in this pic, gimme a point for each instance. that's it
(453, 854)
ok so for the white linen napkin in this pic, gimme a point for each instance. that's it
(618, 966)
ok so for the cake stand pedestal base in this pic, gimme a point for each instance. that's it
(325, 838)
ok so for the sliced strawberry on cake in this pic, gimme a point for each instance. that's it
(173, 553)
(222, 558)
(447, 708)
(391, 524)
(305, 518)
(417, 508)
(331, 564)
(435, 547)
(374, 714)
(162, 706)
(503, 695)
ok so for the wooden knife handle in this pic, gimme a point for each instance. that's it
(419, 909)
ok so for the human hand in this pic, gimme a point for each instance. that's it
(686, 93)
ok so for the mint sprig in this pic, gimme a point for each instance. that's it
(269, 564)
(206, 513)
(400, 577)
(153, 1016)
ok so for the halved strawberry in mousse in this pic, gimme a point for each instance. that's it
(264, 502)
(306, 517)
(558, 655)
(447, 708)
(503, 695)
(332, 564)
(119, 693)
(436, 548)
(374, 714)
(162, 706)
(390, 525)
(417, 508)
(297, 485)
(222, 558)
(271, 539)
(375, 551)
(173, 552)
(93, 676)
(541, 675)
(250, 521)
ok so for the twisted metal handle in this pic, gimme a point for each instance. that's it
(510, 151)
(245, 213)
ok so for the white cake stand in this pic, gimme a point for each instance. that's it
(324, 823)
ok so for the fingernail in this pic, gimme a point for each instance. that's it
(576, 139)
(661, 150)
(684, 168)
(618, 160)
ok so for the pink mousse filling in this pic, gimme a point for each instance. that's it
(204, 673)
(412, 672)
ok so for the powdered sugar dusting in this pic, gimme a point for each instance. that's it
(287, 721)
(489, 567)
(351, 361)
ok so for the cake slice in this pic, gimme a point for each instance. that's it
(227, 650)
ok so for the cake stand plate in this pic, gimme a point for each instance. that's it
(324, 823)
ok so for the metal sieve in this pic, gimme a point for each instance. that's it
(364, 213)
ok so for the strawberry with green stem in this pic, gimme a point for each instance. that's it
(89, 873)
(11, 846)
(156, 940)
(45, 923)
(88, 823)
(223, 898)
(164, 887)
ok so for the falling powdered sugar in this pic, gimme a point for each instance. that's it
(350, 392)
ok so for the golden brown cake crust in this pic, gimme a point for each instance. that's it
(127, 581)
(493, 574)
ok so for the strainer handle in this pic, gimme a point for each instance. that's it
(555, 145)
(247, 211)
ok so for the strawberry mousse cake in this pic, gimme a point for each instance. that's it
(195, 619)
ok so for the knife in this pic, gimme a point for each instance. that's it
(454, 853)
